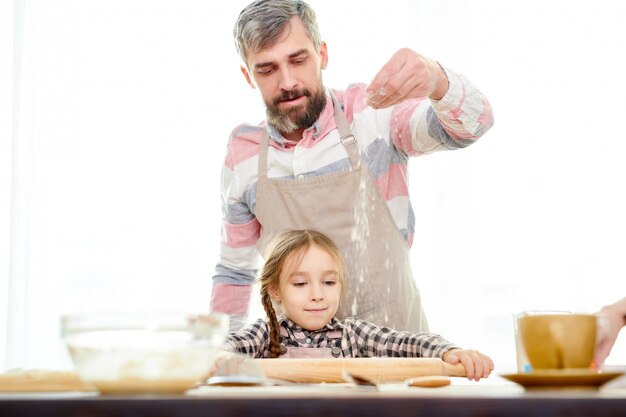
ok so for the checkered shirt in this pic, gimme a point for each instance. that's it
(358, 339)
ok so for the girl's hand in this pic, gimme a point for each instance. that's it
(224, 360)
(477, 365)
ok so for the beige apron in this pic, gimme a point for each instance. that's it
(347, 207)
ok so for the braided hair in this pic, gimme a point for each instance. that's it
(285, 250)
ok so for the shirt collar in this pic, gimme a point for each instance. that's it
(333, 324)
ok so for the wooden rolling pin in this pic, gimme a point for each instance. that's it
(378, 370)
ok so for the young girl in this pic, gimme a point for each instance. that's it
(303, 279)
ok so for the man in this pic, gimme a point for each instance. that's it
(334, 161)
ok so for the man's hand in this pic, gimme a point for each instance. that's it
(406, 75)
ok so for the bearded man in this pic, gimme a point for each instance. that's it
(335, 161)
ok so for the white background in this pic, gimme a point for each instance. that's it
(114, 119)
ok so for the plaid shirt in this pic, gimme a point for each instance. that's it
(358, 339)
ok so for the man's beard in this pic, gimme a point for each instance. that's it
(298, 117)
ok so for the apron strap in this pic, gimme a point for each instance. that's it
(265, 141)
(345, 135)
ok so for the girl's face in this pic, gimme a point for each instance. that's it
(309, 291)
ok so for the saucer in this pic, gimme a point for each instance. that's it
(562, 378)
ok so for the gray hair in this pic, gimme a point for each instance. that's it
(261, 23)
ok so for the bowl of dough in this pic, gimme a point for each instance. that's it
(136, 354)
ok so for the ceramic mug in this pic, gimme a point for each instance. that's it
(557, 340)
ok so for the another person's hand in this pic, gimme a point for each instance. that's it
(477, 365)
(407, 75)
(611, 319)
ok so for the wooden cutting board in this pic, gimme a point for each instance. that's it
(41, 381)
(378, 370)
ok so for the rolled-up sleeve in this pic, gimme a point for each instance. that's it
(462, 116)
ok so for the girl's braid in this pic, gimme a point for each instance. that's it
(275, 349)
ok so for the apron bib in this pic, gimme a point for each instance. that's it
(347, 207)
(332, 350)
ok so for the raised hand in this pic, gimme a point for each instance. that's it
(406, 75)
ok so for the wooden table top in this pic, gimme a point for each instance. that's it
(492, 397)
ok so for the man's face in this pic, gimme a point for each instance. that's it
(289, 77)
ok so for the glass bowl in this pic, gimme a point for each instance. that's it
(143, 353)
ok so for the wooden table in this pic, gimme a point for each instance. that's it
(487, 398)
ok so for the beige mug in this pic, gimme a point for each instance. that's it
(558, 340)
